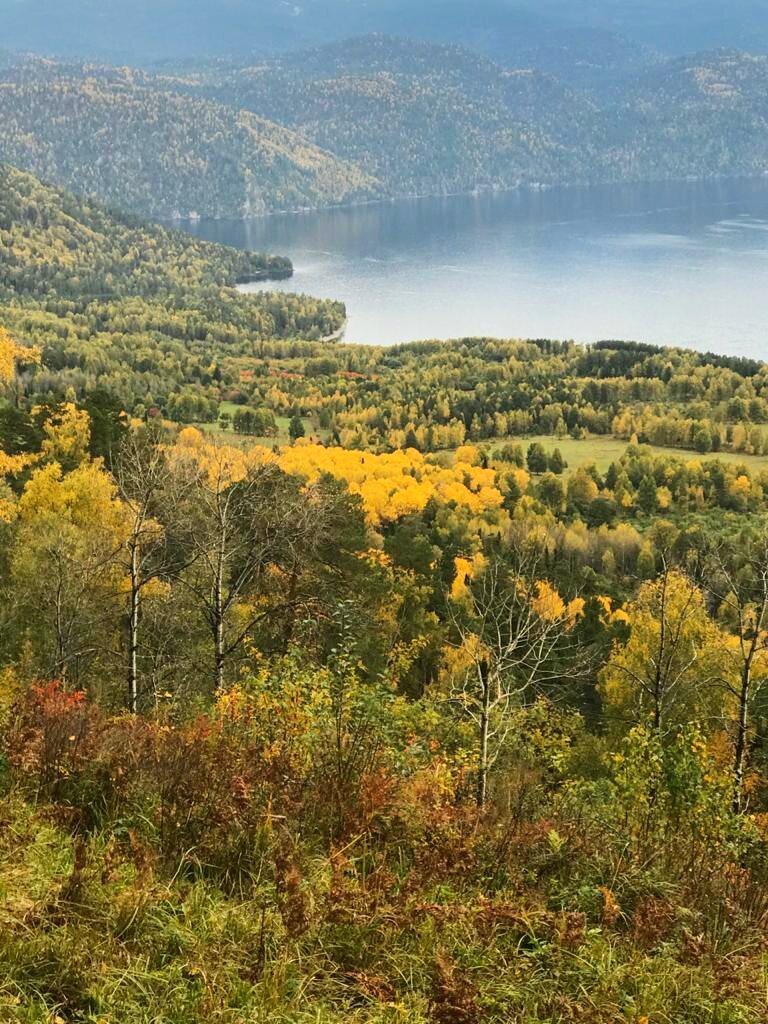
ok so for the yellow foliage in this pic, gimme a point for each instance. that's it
(664, 497)
(463, 568)
(458, 661)
(609, 613)
(221, 464)
(11, 353)
(86, 498)
(691, 651)
(575, 611)
(67, 435)
(394, 485)
(549, 605)
(376, 557)
(10, 465)
(10, 690)
(466, 569)
(467, 453)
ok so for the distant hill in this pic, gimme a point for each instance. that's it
(139, 31)
(562, 36)
(705, 116)
(144, 313)
(423, 118)
(673, 27)
(140, 144)
(54, 244)
(372, 117)
(419, 117)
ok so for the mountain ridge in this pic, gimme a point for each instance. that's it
(163, 153)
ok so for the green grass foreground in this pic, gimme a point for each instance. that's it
(157, 874)
(88, 935)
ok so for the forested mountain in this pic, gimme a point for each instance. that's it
(678, 27)
(420, 118)
(454, 73)
(142, 30)
(141, 311)
(371, 117)
(56, 245)
(468, 119)
(702, 115)
(139, 144)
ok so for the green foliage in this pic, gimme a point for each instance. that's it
(296, 428)
(314, 648)
(139, 142)
(210, 884)
(58, 246)
(326, 126)
(133, 310)
(480, 125)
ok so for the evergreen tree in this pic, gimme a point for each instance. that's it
(538, 461)
(296, 428)
(556, 462)
(647, 498)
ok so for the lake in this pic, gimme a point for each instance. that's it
(683, 264)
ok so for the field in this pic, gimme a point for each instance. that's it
(603, 450)
(281, 437)
(599, 449)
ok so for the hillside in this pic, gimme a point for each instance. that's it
(418, 117)
(116, 303)
(672, 28)
(372, 117)
(56, 244)
(421, 725)
(705, 115)
(149, 315)
(471, 122)
(587, 39)
(139, 145)
(140, 31)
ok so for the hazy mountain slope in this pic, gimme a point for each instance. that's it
(431, 118)
(140, 30)
(581, 38)
(704, 116)
(421, 118)
(678, 27)
(161, 153)
(372, 116)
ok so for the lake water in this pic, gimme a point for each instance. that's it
(683, 264)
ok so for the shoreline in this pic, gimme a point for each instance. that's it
(337, 335)
(476, 193)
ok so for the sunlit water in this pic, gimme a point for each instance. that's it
(683, 264)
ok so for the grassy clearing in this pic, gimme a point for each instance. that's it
(249, 440)
(603, 450)
(599, 449)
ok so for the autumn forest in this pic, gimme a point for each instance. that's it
(344, 684)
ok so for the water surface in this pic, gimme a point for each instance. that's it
(683, 264)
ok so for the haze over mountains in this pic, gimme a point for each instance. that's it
(145, 30)
(371, 117)
(142, 144)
